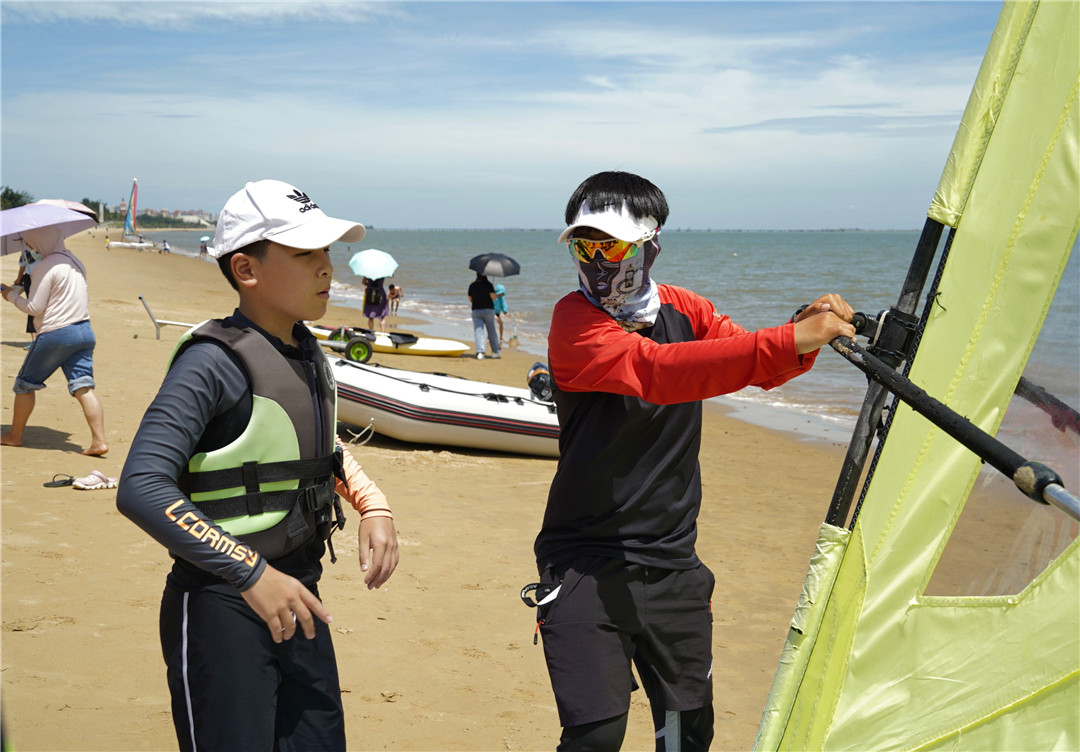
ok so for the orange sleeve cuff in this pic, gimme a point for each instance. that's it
(360, 491)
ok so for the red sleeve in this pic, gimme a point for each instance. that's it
(589, 352)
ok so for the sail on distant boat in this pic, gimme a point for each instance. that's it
(130, 230)
(129, 220)
(872, 659)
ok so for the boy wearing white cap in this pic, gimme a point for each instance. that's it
(235, 469)
(621, 582)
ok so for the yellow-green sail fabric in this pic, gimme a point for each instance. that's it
(888, 667)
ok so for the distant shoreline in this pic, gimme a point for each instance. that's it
(541, 229)
(146, 230)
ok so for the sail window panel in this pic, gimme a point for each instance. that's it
(1002, 539)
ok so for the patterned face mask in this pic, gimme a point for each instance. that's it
(623, 289)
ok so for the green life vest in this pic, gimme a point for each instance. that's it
(273, 485)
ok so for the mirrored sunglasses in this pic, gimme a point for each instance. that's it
(612, 250)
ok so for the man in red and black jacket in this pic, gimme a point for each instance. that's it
(632, 360)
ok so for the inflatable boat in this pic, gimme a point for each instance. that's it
(432, 408)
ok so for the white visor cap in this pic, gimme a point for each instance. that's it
(617, 222)
(273, 210)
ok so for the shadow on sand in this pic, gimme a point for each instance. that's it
(48, 439)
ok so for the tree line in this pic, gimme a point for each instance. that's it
(11, 198)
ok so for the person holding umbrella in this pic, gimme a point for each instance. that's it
(482, 299)
(59, 301)
(373, 267)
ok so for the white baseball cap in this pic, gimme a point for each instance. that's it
(616, 221)
(273, 210)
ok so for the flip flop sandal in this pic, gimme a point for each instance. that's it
(60, 479)
(94, 481)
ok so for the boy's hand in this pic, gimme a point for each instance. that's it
(831, 302)
(284, 604)
(823, 321)
(378, 550)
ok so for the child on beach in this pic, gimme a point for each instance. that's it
(632, 360)
(501, 309)
(234, 469)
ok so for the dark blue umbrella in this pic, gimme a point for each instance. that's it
(494, 265)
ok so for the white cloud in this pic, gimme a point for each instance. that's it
(788, 130)
(173, 15)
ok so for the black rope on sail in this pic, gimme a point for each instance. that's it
(1063, 417)
(890, 410)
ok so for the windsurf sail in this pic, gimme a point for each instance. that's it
(873, 660)
(129, 221)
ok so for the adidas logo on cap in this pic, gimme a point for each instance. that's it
(301, 197)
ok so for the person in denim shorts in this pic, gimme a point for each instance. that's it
(58, 300)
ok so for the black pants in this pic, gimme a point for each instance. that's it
(234, 688)
(610, 614)
(676, 731)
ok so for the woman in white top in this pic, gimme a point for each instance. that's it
(59, 301)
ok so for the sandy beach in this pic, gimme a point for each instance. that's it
(442, 657)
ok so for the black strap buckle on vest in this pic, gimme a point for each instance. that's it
(314, 498)
(309, 500)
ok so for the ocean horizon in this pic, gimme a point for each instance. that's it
(757, 277)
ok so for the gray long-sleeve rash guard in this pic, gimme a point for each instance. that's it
(204, 383)
(203, 403)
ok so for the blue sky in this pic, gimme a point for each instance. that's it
(452, 114)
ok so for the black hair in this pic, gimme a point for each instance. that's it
(612, 189)
(256, 250)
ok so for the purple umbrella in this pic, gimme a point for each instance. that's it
(14, 222)
(73, 205)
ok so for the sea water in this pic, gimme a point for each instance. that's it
(757, 278)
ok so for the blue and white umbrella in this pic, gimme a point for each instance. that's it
(373, 264)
